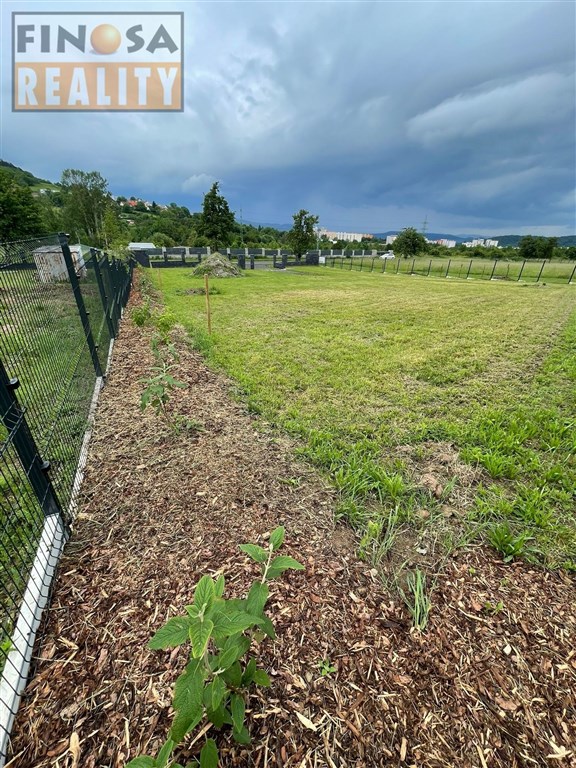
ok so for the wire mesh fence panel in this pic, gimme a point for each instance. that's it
(54, 343)
(44, 345)
(92, 297)
(476, 268)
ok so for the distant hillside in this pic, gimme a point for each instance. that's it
(504, 240)
(25, 177)
(513, 240)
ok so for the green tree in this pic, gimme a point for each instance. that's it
(302, 236)
(115, 233)
(410, 243)
(528, 247)
(161, 240)
(50, 213)
(20, 215)
(537, 247)
(217, 221)
(86, 199)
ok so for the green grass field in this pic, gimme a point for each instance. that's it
(441, 410)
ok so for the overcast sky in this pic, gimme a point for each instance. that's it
(373, 115)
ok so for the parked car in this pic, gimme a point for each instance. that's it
(387, 255)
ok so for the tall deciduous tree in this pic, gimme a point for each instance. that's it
(537, 247)
(86, 199)
(302, 236)
(217, 221)
(410, 243)
(20, 215)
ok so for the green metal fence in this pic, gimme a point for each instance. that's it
(60, 307)
(465, 269)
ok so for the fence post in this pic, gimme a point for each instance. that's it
(469, 268)
(521, 270)
(384, 265)
(36, 470)
(448, 267)
(412, 267)
(105, 298)
(397, 264)
(429, 265)
(540, 273)
(252, 261)
(572, 275)
(115, 308)
(493, 269)
(74, 282)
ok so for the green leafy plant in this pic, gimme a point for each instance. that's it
(507, 543)
(142, 314)
(158, 387)
(164, 321)
(326, 667)
(220, 671)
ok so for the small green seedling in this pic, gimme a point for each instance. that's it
(158, 387)
(326, 667)
(493, 608)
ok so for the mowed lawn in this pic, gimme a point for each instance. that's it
(381, 374)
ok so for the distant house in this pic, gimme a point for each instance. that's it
(51, 266)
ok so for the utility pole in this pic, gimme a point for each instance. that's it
(241, 227)
(425, 225)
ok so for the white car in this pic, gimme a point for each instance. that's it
(387, 255)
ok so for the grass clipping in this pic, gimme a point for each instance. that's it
(216, 265)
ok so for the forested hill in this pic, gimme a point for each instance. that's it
(25, 177)
(503, 240)
(513, 240)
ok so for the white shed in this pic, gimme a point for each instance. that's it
(51, 266)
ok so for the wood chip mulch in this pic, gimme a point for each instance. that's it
(492, 682)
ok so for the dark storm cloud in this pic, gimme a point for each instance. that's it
(373, 115)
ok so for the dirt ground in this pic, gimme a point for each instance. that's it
(492, 682)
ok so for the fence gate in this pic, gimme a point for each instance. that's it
(60, 308)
